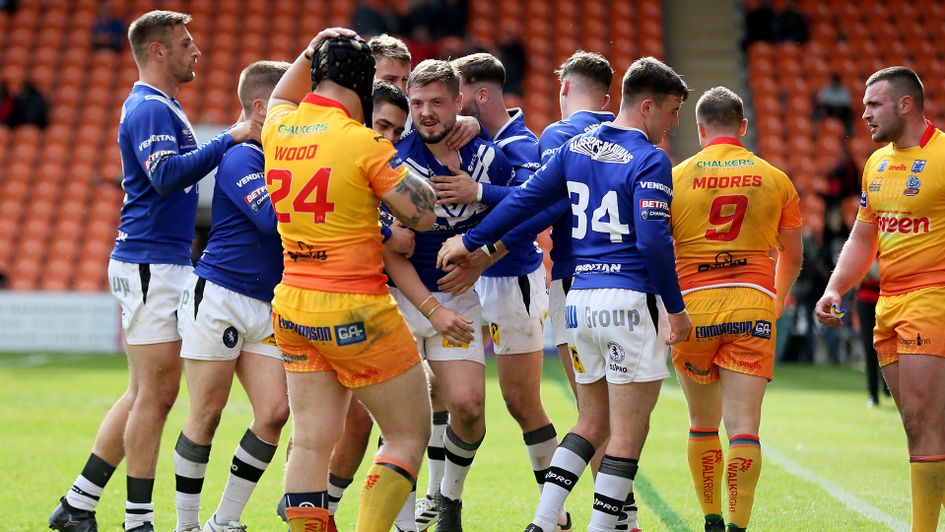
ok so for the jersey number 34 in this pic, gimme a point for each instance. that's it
(608, 208)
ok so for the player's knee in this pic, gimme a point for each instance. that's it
(467, 410)
(595, 432)
(919, 422)
(273, 417)
(521, 406)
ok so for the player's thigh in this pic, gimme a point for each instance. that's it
(460, 382)
(156, 368)
(208, 383)
(400, 406)
(514, 309)
(924, 396)
(630, 407)
(703, 399)
(149, 295)
(263, 378)
(742, 395)
(319, 404)
(436, 348)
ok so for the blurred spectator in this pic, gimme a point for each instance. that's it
(6, 103)
(843, 180)
(834, 101)
(4, 280)
(367, 20)
(866, 298)
(791, 25)
(512, 55)
(421, 44)
(759, 23)
(8, 5)
(451, 17)
(421, 14)
(836, 233)
(392, 19)
(29, 107)
(807, 290)
(108, 31)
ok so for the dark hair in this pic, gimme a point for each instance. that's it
(150, 27)
(480, 67)
(257, 81)
(386, 92)
(720, 107)
(433, 70)
(589, 65)
(904, 81)
(652, 78)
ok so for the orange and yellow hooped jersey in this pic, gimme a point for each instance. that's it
(325, 173)
(904, 196)
(728, 206)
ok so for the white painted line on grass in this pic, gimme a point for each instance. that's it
(865, 509)
(36, 359)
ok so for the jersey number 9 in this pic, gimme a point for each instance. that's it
(727, 210)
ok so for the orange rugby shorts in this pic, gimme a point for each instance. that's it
(910, 324)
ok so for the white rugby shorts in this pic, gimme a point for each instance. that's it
(514, 309)
(148, 294)
(556, 303)
(431, 344)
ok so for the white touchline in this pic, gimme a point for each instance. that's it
(848, 499)
(36, 359)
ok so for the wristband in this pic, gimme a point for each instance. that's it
(489, 249)
(479, 192)
(432, 310)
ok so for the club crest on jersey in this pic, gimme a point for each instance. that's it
(230, 336)
(918, 165)
(875, 185)
(912, 186)
(883, 165)
(863, 199)
(617, 354)
(601, 151)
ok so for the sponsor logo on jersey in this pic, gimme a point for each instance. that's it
(495, 332)
(918, 165)
(919, 340)
(762, 329)
(883, 165)
(654, 209)
(725, 181)
(875, 185)
(317, 334)
(601, 151)
(863, 199)
(296, 153)
(734, 163)
(897, 168)
(611, 318)
(653, 185)
(270, 341)
(155, 158)
(912, 186)
(230, 337)
(449, 344)
(732, 327)
(895, 224)
(722, 260)
(288, 357)
(576, 360)
(248, 178)
(597, 268)
(350, 333)
(548, 153)
(696, 371)
(145, 144)
(301, 130)
(255, 198)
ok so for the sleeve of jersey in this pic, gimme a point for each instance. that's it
(790, 208)
(525, 232)
(242, 179)
(865, 213)
(154, 134)
(501, 176)
(651, 221)
(381, 165)
(544, 188)
(551, 139)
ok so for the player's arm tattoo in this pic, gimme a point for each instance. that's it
(421, 196)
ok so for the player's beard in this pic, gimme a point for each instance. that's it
(890, 132)
(437, 136)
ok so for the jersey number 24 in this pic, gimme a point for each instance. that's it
(317, 185)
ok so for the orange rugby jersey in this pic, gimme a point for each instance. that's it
(325, 173)
(728, 205)
(904, 196)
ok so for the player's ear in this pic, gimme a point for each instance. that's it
(743, 128)
(606, 102)
(259, 107)
(459, 103)
(156, 49)
(565, 87)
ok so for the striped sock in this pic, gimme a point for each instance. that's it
(88, 486)
(707, 468)
(742, 472)
(541, 444)
(614, 480)
(436, 453)
(386, 485)
(927, 474)
(249, 462)
(567, 464)
(190, 467)
(459, 458)
(139, 509)
(336, 490)
(307, 511)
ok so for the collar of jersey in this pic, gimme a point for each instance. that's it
(725, 140)
(515, 113)
(927, 135)
(152, 87)
(315, 99)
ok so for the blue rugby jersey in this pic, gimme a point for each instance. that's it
(620, 189)
(161, 162)
(244, 251)
(520, 147)
(480, 159)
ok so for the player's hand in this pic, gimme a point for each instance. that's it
(328, 33)
(458, 279)
(465, 129)
(452, 325)
(401, 239)
(679, 327)
(453, 250)
(829, 310)
(246, 130)
(459, 188)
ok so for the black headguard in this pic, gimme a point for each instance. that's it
(349, 63)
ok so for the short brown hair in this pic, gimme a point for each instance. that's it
(433, 70)
(480, 67)
(589, 65)
(651, 77)
(257, 81)
(390, 47)
(904, 81)
(153, 26)
(720, 107)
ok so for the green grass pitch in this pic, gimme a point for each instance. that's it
(829, 463)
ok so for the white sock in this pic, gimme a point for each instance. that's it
(459, 458)
(614, 480)
(190, 467)
(436, 454)
(250, 461)
(567, 465)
